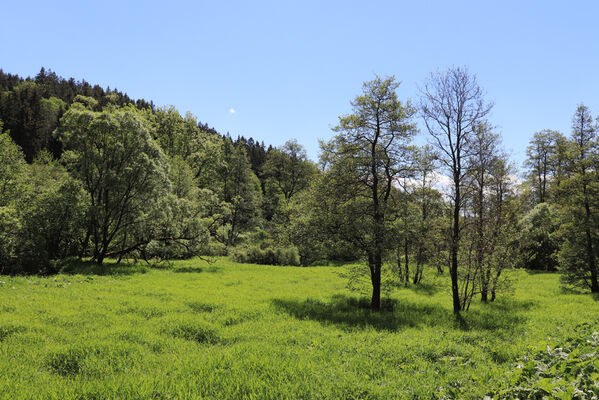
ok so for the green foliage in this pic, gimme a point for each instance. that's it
(52, 218)
(13, 166)
(239, 192)
(288, 169)
(42, 213)
(267, 256)
(361, 164)
(122, 169)
(543, 162)
(560, 369)
(31, 117)
(538, 243)
(579, 205)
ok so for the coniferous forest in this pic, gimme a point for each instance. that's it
(413, 218)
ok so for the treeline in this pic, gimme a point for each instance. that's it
(91, 173)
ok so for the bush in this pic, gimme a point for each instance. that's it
(44, 224)
(214, 248)
(267, 256)
(537, 242)
(52, 228)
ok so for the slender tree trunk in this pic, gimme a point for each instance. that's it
(453, 269)
(407, 262)
(484, 293)
(375, 263)
(399, 268)
(494, 287)
(590, 251)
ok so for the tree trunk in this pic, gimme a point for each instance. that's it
(407, 262)
(453, 271)
(399, 269)
(484, 295)
(590, 250)
(485, 281)
(375, 261)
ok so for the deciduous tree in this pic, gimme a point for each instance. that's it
(363, 161)
(452, 107)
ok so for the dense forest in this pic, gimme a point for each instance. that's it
(90, 173)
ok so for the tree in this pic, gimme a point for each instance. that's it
(289, 169)
(239, 193)
(121, 167)
(51, 216)
(580, 205)
(429, 202)
(13, 163)
(541, 158)
(452, 107)
(362, 162)
(501, 227)
(537, 239)
(13, 167)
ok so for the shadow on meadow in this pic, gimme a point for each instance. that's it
(109, 268)
(124, 268)
(578, 291)
(351, 313)
(196, 269)
(428, 289)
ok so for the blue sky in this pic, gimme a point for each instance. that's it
(290, 68)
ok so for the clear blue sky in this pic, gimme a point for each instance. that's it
(290, 68)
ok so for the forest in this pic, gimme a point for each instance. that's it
(405, 192)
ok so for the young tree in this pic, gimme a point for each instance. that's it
(452, 107)
(429, 203)
(501, 227)
(362, 163)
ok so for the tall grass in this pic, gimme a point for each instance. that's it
(228, 330)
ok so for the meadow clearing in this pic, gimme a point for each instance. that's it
(225, 330)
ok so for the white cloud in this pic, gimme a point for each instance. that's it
(232, 111)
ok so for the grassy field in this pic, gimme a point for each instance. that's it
(227, 330)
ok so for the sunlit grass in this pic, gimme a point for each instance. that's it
(227, 330)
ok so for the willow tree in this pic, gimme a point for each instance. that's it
(121, 167)
(362, 161)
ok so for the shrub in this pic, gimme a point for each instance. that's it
(267, 256)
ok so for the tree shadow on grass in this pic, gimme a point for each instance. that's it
(196, 269)
(124, 268)
(80, 267)
(428, 289)
(578, 291)
(539, 272)
(350, 313)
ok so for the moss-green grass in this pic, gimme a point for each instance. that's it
(228, 331)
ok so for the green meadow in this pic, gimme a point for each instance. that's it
(223, 330)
